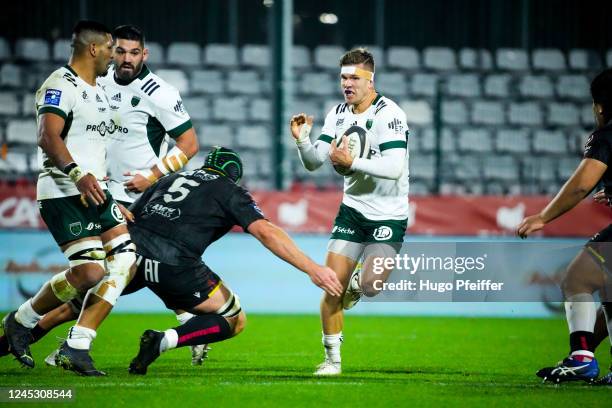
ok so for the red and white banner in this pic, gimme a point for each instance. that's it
(314, 211)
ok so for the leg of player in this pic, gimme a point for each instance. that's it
(584, 277)
(198, 352)
(216, 319)
(607, 314)
(99, 301)
(332, 315)
(86, 260)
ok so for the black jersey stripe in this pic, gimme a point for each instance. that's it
(147, 84)
(153, 90)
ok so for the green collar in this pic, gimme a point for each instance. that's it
(69, 68)
(144, 71)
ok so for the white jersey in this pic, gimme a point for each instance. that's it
(86, 112)
(385, 123)
(145, 111)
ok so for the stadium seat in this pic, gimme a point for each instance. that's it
(542, 169)
(562, 114)
(17, 161)
(207, 82)
(587, 117)
(574, 86)
(511, 59)
(577, 138)
(62, 50)
(549, 141)
(424, 84)
(156, 53)
(28, 104)
(497, 85)
(403, 58)
(465, 168)
(259, 110)
(300, 57)
(197, 107)
(473, 59)
(422, 166)
(500, 168)
(454, 112)
(244, 82)
(525, 113)
(176, 78)
(488, 113)
(9, 105)
(216, 135)
(21, 132)
(536, 86)
(184, 53)
(512, 141)
(548, 59)
(223, 55)
(33, 163)
(254, 137)
(391, 83)
(609, 58)
(584, 60)
(463, 85)
(252, 55)
(32, 49)
(428, 140)
(439, 59)
(311, 107)
(417, 112)
(229, 108)
(318, 83)
(5, 50)
(10, 76)
(328, 56)
(567, 165)
(475, 140)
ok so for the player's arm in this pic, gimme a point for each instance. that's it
(281, 245)
(51, 122)
(311, 155)
(579, 185)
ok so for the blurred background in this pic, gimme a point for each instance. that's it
(496, 94)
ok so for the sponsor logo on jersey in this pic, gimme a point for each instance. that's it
(116, 213)
(163, 211)
(396, 125)
(85, 96)
(197, 294)
(339, 122)
(114, 107)
(53, 97)
(256, 208)
(178, 108)
(117, 97)
(103, 128)
(92, 225)
(76, 228)
(369, 124)
(101, 109)
(135, 100)
(343, 230)
(98, 99)
(382, 233)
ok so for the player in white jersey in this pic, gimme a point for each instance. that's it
(73, 120)
(144, 110)
(374, 207)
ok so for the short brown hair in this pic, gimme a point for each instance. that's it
(358, 56)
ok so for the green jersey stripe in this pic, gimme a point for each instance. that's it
(395, 144)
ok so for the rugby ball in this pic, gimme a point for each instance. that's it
(358, 146)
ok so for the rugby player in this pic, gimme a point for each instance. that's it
(374, 206)
(73, 116)
(589, 271)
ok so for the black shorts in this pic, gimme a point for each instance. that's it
(177, 286)
(600, 247)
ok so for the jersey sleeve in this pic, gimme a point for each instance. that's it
(57, 95)
(170, 112)
(391, 129)
(328, 131)
(598, 148)
(243, 208)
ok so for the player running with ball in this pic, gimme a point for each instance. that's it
(374, 207)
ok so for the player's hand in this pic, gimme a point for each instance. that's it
(600, 198)
(530, 225)
(126, 213)
(138, 183)
(296, 123)
(90, 190)
(325, 278)
(340, 155)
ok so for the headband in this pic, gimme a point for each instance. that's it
(360, 72)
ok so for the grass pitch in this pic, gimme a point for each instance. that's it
(387, 361)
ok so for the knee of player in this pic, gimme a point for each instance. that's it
(85, 276)
(239, 324)
(369, 291)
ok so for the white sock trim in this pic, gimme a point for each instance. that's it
(169, 341)
(80, 337)
(26, 315)
(332, 343)
(580, 312)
